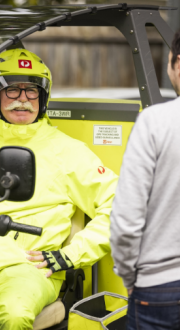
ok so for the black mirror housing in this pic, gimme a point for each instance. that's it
(20, 162)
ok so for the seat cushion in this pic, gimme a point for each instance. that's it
(50, 315)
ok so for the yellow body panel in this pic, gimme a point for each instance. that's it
(112, 157)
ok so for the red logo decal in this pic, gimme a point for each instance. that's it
(101, 169)
(25, 64)
(106, 142)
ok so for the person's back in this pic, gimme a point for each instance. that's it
(155, 187)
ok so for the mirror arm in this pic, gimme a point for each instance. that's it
(8, 182)
(6, 195)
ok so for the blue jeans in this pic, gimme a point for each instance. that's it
(155, 308)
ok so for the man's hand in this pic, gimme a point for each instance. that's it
(130, 291)
(38, 256)
(55, 260)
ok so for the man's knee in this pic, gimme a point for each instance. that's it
(18, 318)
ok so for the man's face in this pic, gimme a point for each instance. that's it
(174, 73)
(20, 114)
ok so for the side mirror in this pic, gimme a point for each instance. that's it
(17, 174)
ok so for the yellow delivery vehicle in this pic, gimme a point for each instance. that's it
(95, 298)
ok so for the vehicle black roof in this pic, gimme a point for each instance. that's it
(14, 20)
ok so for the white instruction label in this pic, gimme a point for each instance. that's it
(59, 113)
(107, 135)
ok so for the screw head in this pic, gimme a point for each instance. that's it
(82, 116)
(127, 14)
(135, 49)
(147, 105)
(150, 13)
(131, 31)
(142, 88)
(138, 13)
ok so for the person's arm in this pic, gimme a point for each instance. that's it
(91, 187)
(128, 215)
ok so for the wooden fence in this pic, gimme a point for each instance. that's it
(88, 57)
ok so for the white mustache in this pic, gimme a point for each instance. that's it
(17, 105)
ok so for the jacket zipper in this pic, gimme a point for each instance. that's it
(16, 235)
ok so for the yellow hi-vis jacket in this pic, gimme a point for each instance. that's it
(66, 176)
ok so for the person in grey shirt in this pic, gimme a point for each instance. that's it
(145, 218)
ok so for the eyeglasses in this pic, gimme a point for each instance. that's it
(32, 93)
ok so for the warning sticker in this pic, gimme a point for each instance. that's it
(110, 135)
(59, 113)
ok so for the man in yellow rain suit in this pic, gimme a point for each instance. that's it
(67, 176)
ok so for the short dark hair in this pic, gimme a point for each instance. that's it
(175, 48)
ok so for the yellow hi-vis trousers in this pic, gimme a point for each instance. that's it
(24, 292)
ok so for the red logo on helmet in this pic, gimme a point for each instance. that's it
(101, 169)
(25, 64)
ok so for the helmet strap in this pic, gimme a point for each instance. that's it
(43, 97)
(3, 118)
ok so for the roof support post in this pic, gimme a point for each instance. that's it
(133, 25)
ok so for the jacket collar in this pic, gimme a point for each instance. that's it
(21, 132)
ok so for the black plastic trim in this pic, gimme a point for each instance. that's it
(42, 26)
(93, 10)
(96, 111)
(68, 16)
(15, 39)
